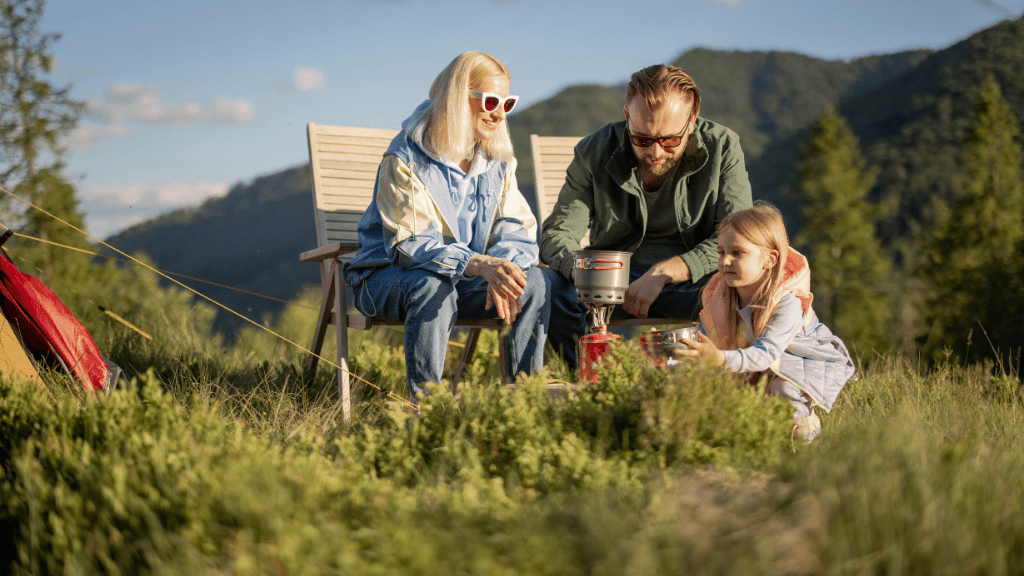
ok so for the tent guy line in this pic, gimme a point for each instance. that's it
(387, 393)
(180, 275)
(102, 308)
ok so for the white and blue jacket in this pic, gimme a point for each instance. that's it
(427, 213)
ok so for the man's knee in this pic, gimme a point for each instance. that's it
(677, 301)
(537, 285)
(563, 291)
(554, 277)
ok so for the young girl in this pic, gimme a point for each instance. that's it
(757, 318)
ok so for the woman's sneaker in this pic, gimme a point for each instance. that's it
(807, 428)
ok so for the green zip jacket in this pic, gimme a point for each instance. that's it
(602, 192)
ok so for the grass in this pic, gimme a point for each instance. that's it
(214, 462)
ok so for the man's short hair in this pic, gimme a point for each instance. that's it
(655, 83)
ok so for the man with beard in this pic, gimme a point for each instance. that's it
(656, 184)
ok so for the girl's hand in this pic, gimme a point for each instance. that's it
(704, 348)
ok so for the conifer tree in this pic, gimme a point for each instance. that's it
(975, 255)
(848, 268)
(35, 116)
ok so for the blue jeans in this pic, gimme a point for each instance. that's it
(428, 304)
(569, 315)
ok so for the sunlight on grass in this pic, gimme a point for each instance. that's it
(212, 461)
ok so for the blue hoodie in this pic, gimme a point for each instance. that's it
(427, 213)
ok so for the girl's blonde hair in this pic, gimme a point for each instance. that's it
(448, 122)
(763, 226)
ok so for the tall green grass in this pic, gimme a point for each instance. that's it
(216, 460)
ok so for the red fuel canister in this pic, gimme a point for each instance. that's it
(592, 348)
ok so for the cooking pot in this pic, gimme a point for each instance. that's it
(602, 276)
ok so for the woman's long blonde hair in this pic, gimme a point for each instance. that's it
(447, 123)
(763, 226)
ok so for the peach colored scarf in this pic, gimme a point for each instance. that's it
(720, 319)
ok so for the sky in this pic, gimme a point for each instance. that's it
(189, 98)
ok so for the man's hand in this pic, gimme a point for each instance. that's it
(505, 282)
(645, 290)
(642, 293)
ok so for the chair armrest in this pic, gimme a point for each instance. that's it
(329, 251)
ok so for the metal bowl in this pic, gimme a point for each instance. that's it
(661, 345)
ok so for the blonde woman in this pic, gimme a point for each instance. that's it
(448, 234)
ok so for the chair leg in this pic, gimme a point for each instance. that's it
(341, 325)
(326, 309)
(467, 354)
(503, 355)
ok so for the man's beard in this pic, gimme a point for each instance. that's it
(660, 170)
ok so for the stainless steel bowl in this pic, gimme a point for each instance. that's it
(663, 344)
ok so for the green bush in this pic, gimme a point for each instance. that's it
(220, 464)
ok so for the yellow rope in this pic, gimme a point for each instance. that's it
(80, 295)
(133, 327)
(125, 322)
(180, 275)
(211, 300)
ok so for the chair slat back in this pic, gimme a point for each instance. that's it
(343, 162)
(551, 156)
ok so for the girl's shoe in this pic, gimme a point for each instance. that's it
(807, 428)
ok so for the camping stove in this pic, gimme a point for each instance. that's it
(601, 279)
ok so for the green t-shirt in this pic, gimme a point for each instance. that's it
(661, 239)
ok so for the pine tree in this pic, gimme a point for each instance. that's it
(34, 118)
(848, 268)
(975, 255)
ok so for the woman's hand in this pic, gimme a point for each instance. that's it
(704, 348)
(505, 282)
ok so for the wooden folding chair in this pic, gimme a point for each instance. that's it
(343, 164)
(551, 157)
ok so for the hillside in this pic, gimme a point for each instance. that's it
(909, 109)
(250, 239)
(911, 126)
(764, 96)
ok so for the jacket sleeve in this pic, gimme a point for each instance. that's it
(784, 325)
(514, 233)
(417, 235)
(569, 219)
(733, 196)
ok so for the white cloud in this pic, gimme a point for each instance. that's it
(308, 79)
(86, 137)
(175, 195)
(110, 209)
(184, 194)
(107, 225)
(142, 104)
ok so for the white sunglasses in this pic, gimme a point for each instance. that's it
(490, 101)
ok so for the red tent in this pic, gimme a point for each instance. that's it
(49, 330)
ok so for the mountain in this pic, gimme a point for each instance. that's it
(909, 109)
(763, 96)
(250, 240)
(911, 126)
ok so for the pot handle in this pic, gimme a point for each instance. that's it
(587, 261)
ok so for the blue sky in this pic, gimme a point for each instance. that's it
(188, 98)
